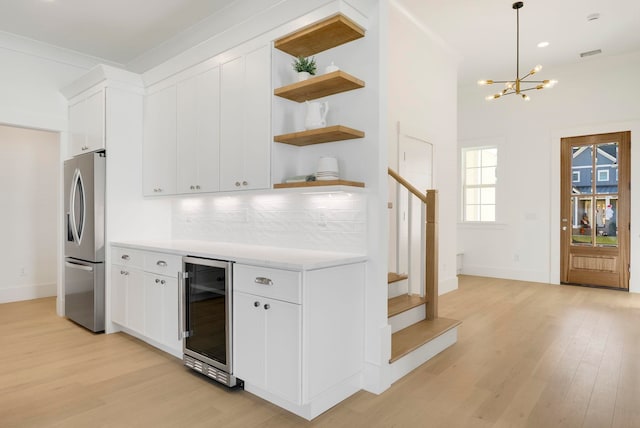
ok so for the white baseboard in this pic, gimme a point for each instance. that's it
(515, 274)
(447, 285)
(27, 292)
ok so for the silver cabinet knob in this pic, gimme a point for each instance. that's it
(197, 187)
(244, 183)
(163, 282)
(267, 306)
(256, 303)
(124, 272)
(125, 257)
(161, 263)
(192, 187)
(237, 184)
(157, 280)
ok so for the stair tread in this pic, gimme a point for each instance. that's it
(395, 277)
(403, 303)
(416, 335)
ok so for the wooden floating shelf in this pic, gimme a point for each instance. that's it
(318, 136)
(320, 183)
(320, 36)
(320, 86)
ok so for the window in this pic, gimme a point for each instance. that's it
(603, 175)
(576, 177)
(479, 183)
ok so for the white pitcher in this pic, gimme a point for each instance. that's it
(316, 115)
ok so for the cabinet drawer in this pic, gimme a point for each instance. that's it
(274, 283)
(126, 257)
(162, 264)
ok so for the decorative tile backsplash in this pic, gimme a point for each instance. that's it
(317, 221)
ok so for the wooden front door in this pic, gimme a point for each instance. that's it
(594, 223)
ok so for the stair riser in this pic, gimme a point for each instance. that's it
(407, 318)
(423, 354)
(398, 288)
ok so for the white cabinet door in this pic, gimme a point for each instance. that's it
(245, 128)
(249, 339)
(159, 148)
(127, 297)
(267, 344)
(232, 125)
(170, 314)
(77, 124)
(283, 356)
(87, 123)
(198, 133)
(257, 126)
(119, 295)
(161, 310)
(95, 121)
(135, 300)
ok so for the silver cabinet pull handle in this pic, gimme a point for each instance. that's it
(163, 282)
(157, 280)
(256, 304)
(237, 184)
(244, 183)
(161, 263)
(263, 281)
(124, 272)
(125, 257)
(267, 306)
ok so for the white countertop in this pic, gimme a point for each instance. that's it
(258, 255)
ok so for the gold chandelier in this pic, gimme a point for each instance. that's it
(519, 84)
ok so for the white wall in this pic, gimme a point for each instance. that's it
(28, 185)
(596, 96)
(423, 99)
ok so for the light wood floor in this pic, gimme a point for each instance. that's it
(530, 355)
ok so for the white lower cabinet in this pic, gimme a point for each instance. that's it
(144, 296)
(298, 335)
(268, 344)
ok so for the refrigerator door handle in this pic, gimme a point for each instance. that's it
(78, 266)
(77, 188)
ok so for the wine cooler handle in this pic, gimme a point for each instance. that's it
(180, 305)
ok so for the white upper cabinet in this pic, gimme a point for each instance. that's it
(87, 122)
(245, 125)
(159, 147)
(198, 133)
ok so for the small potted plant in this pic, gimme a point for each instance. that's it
(305, 67)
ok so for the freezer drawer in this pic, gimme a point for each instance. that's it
(84, 300)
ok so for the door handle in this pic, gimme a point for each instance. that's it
(180, 305)
(79, 267)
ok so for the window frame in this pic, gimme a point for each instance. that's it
(575, 174)
(465, 187)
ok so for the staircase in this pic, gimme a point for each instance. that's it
(418, 333)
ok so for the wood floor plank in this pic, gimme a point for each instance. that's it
(528, 355)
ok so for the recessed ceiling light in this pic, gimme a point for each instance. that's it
(543, 44)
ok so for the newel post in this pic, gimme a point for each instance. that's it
(431, 254)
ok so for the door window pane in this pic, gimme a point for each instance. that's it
(606, 222)
(581, 221)
(582, 163)
(607, 169)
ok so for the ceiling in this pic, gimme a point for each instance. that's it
(481, 33)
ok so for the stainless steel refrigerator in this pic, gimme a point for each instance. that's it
(84, 210)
